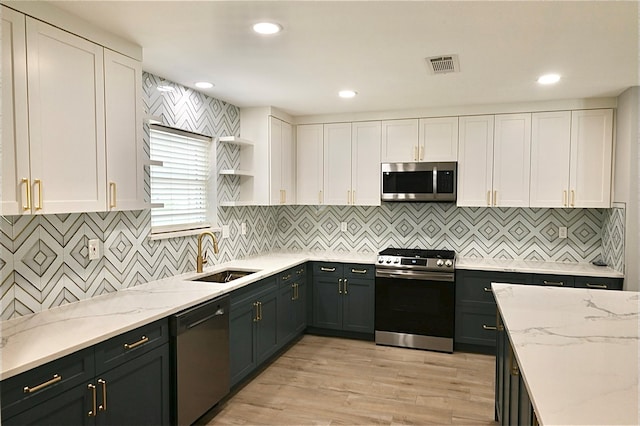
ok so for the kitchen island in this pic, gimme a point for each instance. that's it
(576, 351)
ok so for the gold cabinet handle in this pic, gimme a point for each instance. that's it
(322, 268)
(27, 185)
(103, 407)
(142, 341)
(255, 305)
(420, 153)
(349, 197)
(415, 153)
(94, 397)
(573, 198)
(489, 327)
(555, 283)
(489, 198)
(260, 311)
(487, 290)
(358, 271)
(286, 277)
(513, 364)
(345, 287)
(56, 378)
(353, 197)
(495, 198)
(300, 271)
(340, 286)
(603, 286)
(39, 183)
(564, 198)
(112, 195)
(297, 291)
(284, 196)
(293, 291)
(319, 197)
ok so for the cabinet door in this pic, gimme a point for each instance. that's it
(591, 151)
(275, 161)
(66, 120)
(358, 305)
(15, 124)
(123, 113)
(286, 313)
(399, 140)
(438, 139)
(327, 302)
(365, 163)
(68, 408)
(550, 153)
(511, 160)
(242, 342)
(309, 173)
(267, 331)
(475, 161)
(288, 172)
(337, 164)
(137, 392)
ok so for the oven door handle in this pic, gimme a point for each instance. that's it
(415, 275)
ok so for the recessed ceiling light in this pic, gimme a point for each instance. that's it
(267, 28)
(204, 85)
(549, 79)
(347, 93)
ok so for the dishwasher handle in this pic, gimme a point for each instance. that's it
(214, 310)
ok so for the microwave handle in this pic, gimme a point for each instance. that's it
(435, 180)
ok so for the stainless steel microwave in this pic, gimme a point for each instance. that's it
(419, 181)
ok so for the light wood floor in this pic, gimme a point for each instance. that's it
(324, 380)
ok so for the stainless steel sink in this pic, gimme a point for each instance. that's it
(224, 276)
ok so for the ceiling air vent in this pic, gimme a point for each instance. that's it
(443, 64)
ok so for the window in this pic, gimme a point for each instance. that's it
(180, 188)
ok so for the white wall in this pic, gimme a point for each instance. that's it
(627, 180)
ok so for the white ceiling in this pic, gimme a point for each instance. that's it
(378, 49)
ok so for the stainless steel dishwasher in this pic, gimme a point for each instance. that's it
(201, 359)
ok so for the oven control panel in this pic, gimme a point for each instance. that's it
(399, 262)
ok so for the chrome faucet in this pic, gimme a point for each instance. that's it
(201, 260)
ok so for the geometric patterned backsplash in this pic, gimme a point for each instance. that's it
(44, 261)
(501, 233)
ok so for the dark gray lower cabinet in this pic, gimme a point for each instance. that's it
(343, 297)
(475, 319)
(252, 327)
(292, 304)
(512, 402)
(90, 387)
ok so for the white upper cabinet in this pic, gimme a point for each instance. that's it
(123, 113)
(438, 139)
(365, 163)
(309, 164)
(337, 164)
(400, 141)
(16, 177)
(282, 166)
(591, 152)
(66, 121)
(550, 158)
(511, 160)
(475, 161)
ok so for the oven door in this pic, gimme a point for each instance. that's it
(411, 304)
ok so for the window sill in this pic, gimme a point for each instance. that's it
(176, 234)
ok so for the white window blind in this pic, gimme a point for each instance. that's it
(180, 185)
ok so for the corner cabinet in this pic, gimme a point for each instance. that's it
(59, 152)
(282, 162)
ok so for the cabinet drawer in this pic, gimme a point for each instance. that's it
(26, 390)
(292, 275)
(355, 270)
(552, 280)
(476, 327)
(327, 269)
(475, 286)
(241, 295)
(599, 283)
(127, 346)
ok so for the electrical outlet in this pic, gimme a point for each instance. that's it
(562, 232)
(343, 226)
(94, 249)
(225, 231)
(243, 228)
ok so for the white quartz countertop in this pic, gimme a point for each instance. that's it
(577, 350)
(537, 267)
(33, 340)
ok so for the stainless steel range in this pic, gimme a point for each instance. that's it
(415, 298)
